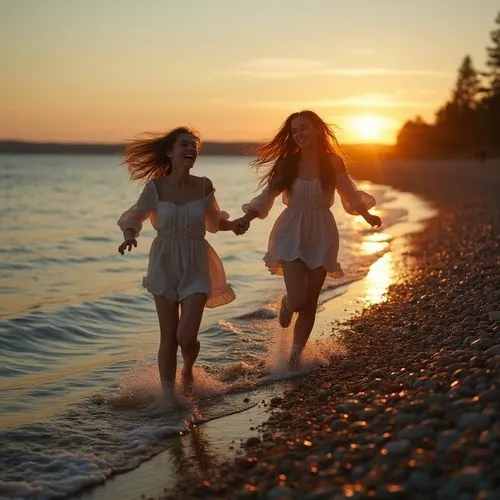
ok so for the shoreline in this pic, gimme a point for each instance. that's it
(413, 411)
(224, 437)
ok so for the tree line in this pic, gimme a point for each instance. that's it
(469, 122)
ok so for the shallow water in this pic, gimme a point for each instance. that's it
(79, 389)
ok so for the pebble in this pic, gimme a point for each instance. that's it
(416, 433)
(419, 480)
(483, 343)
(494, 351)
(445, 360)
(280, 493)
(474, 421)
(494, 316)
(399, 447)
(490, 396)
(471, 478)
(405, 418)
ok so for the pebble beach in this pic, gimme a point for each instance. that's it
(412, 409)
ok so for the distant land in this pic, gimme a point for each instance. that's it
(24, 147)
(352, 151)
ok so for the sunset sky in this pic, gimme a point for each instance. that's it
(104, 70)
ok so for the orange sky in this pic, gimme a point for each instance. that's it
(105, 70)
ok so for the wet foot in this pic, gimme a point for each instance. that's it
(294, 361)
(187, 381)
(175, 400)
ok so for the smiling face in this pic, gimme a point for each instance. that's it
(303, 132)
(184, 151)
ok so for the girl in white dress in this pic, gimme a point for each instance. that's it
(184, 272)
(303, 165)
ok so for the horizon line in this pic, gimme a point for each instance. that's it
(208, 141)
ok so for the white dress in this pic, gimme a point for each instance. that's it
(306, 229)
(181, 261)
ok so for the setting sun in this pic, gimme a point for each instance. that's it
(368, 127)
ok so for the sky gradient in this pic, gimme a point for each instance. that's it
(105, 70)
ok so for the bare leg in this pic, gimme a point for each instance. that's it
(307, 315)
(168, 317)
(295, 275)
(192, 308)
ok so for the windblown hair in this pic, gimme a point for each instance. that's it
(146, 156)
(280, 157)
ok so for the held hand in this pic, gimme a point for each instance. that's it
(127, 245)
(373, 220)
(240, 226)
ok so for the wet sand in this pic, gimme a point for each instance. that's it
(413, 408)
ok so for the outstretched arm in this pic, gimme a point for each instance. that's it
(218, 220)
(250, 215)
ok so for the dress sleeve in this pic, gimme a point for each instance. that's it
(213, 214)
(262, 203)
(352, 199)
(134, 217)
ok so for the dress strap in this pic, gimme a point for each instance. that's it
(203, 187)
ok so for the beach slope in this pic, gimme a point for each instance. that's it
(413, 409)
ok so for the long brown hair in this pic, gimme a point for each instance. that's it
(146, 156)
(280, 156)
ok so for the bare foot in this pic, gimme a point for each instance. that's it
(183, 402)
(175, 400)
(187, 381)
(294, 361)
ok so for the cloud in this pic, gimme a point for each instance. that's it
(275, 68)
(388, 72)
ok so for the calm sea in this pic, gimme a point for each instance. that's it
(79, 390)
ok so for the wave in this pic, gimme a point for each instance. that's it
(113, 431)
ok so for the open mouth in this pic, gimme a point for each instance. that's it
(189, 157)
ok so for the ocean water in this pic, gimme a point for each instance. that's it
(79, 390)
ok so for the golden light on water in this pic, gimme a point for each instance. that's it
(379, 279)
(376, 242)
(371, 247)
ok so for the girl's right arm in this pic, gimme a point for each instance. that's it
(130, 222)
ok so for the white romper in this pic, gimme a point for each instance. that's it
(306, 229)
(181, 261)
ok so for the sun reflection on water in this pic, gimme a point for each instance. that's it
(379, 278)
(371, 247)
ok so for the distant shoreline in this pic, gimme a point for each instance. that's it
(25, 147)
(207, 148)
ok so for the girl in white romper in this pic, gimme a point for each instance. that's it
(184, 272)
(303, 166)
